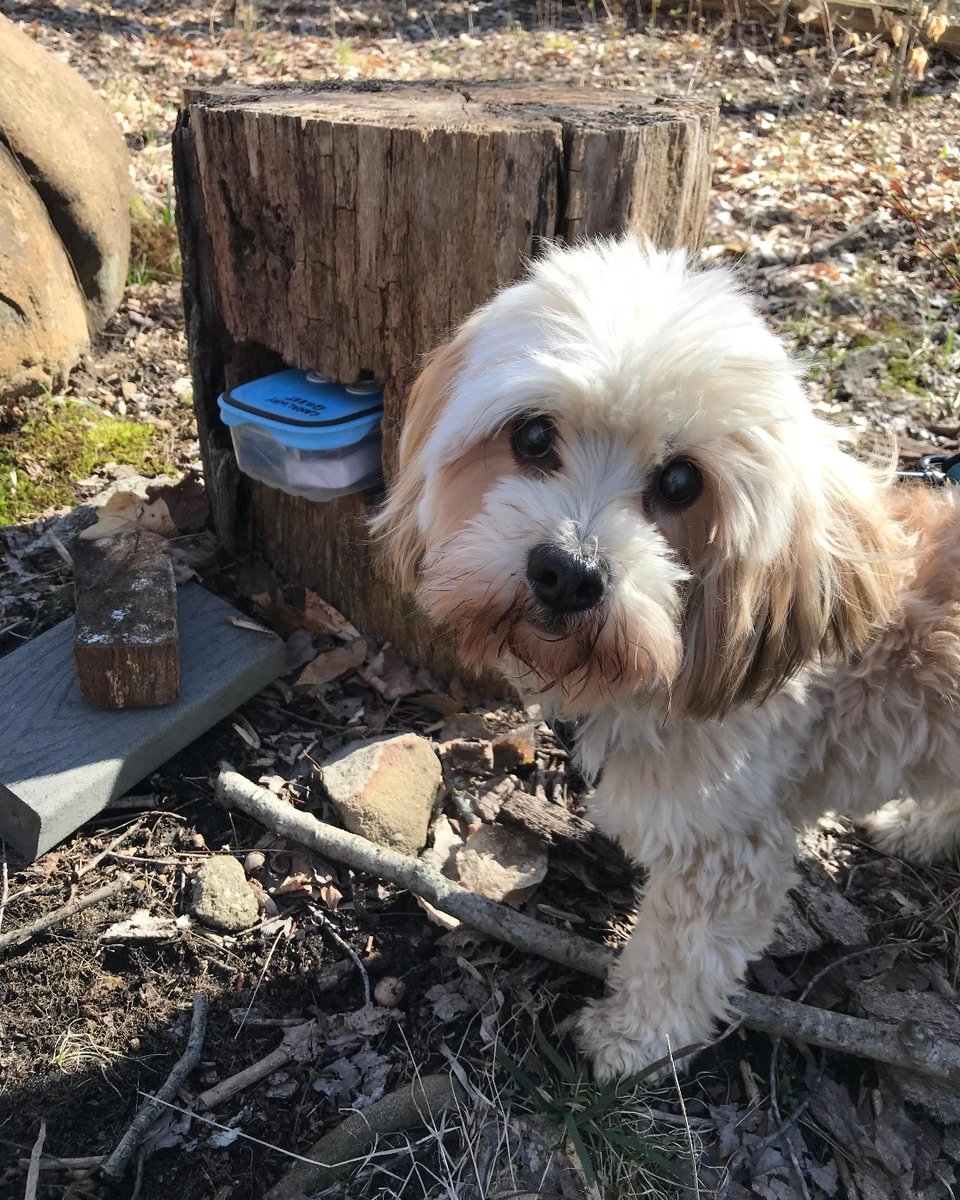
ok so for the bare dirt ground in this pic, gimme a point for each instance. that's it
(842, 213)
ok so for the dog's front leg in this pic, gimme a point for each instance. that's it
(706, 912)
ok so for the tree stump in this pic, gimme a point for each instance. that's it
(348, 229)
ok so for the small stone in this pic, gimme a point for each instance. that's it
(385, 789)
(221, 897)
(389, 991)
(467, 754)
(516, 748)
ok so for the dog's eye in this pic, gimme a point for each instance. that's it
(532, 440)
(679, 483)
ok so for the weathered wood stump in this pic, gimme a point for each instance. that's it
(347, 229)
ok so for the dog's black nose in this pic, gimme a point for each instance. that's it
(565, 582)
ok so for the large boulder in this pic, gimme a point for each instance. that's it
(43, 314)
(67, 146)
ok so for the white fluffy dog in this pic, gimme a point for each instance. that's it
(613, 489)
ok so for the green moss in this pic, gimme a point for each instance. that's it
(43, 458)
(907, 373)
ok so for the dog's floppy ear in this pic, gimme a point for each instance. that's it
(397, 523)
(749, 628)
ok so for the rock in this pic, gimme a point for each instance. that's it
(43, 322)
(70, 148)
(221, 897)
(385, 789)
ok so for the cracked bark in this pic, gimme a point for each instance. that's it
(345, 229)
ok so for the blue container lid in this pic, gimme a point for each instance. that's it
(303, 411)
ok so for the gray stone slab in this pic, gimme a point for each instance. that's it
(62, 760)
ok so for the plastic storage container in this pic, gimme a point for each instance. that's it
(309, 437)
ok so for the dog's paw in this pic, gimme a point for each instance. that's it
(617, 1044)
(907, 829)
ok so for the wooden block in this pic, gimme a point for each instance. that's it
(125, 641)
(62, 761)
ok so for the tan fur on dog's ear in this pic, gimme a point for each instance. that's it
(749, 628)
(397, 522)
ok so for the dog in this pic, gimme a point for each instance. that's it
(613, 489)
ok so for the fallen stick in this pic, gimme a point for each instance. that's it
(905, 1045)
(116, 1164)
(227, 1088)
(33, 1171)
(337, 1153)
(16, 937)
(110, 847)
(234, 791)
(71, 1166)
(295, 1046)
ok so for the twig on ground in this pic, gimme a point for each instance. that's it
(226, 1089)
(111, 846)
(71, 1166)
(50, 920)
(260, 977)
(326, 926)
(497, 920)
(337, 1153)
(117, 1163)
(904, 1045)
(33, 1171)
(813, 254)
(288, 1050)
(686, 1123)
(4, 884)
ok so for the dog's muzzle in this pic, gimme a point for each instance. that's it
(565, 582)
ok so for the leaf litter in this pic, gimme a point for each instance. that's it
(842, 214)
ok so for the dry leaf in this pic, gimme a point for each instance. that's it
(125, 512)
(247, 732)
(325, 618)
(247, 623)
(502, 864)
(186, 502)
(444, 920)
(298, 883)
(144, 927)
(388, 674)
(332, 664)
(301, 1042)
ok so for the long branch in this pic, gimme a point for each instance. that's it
(904, 1044)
